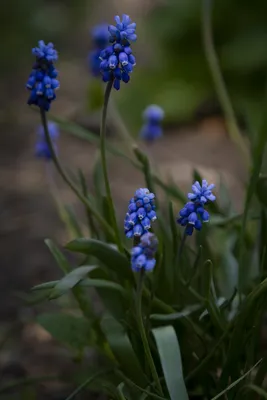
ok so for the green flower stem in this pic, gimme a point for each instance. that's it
(68, 181)
(220, 87)
(120, 126)
(104, 166)
(143, 333)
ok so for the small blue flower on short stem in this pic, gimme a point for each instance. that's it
(117, 59)
(193, 214)
(143, 255)
(153, 116)
(41, 148)
(141, 212)
(42, 81)
(100, 39)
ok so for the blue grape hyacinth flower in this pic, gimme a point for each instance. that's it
(152, 129)
(202, 193)
(117, 59)
(41, 147)
(193, 214)
(143, 255)
(100, 40)
(42, 81)
(141, 212)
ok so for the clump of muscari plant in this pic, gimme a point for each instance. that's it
(151, 318)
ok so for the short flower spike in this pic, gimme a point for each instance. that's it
(117, 59)
(193, 214)
(42, 81)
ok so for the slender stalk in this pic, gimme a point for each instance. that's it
(68, 181)
(143, 332)
(220, 87)
(120, 126)
(104, 165)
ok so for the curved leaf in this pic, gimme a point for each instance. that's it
(114, 260)
(70, 280)
(96, 283)
(170, 357)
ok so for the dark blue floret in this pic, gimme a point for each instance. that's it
(124, 31)
(193, 214)
(153, 116)
(143, 255)
(42, 81)
(41, 148)
(141, 212)
(117, 59)
(45, 52)
(202, 193)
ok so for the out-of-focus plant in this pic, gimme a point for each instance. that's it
(176, 72)
(183, 308)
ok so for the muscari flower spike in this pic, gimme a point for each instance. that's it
(143, 255)
(41, 148)
(117, 59)
(42, 81)
(100, 39)
(193, 214)
(141, 212)
(153, 116)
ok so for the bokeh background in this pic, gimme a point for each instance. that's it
(172, 72)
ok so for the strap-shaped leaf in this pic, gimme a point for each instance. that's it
(96, 283)
(105, 253)
(70, 280)
(170, 357)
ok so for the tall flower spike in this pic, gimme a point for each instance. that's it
(193, 214)
(117, 59)
(153, 116)
(141, 212)
(143, 255)
(42, 81)
(41, 148)
(100, 39)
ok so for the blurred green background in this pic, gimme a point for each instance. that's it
(171, 70)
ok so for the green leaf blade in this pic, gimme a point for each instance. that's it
(170, 356)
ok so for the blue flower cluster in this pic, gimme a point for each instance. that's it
(100, 39)
(141, 212)
(153, 116)
(143, 255)
(117, 59)
(193, 214)
(41, 147)
(42, 81)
